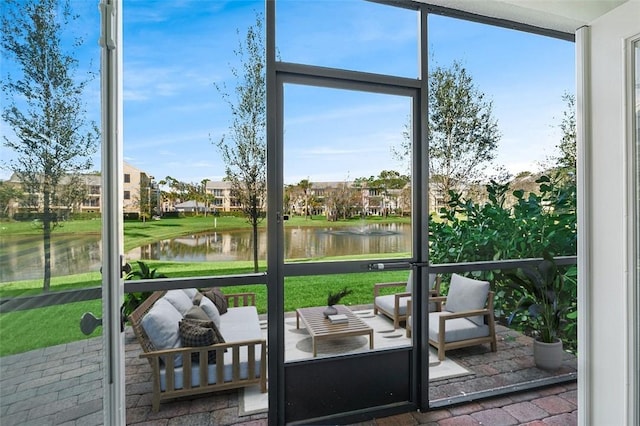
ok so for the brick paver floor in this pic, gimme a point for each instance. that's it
(555, 405)
(62, 385)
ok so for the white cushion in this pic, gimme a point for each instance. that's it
(161, 324)
(456, 329)
(190, 292)
(212, 370)
(180, 300)
(466, 294)
(409, 287)
(211, 310)
(387, 303)
(240, 323)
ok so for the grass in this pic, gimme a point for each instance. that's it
(33, 287)
(23, 331)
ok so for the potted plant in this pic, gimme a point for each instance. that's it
(544, 302)
(334, 299)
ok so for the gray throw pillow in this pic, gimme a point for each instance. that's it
(197, 298)
(217, 336)
(197, 313)
(218, 299)
(196, 333)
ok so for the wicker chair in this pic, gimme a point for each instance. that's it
(239, 363)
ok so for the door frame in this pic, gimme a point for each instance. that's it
(279, 74)
(114, 405)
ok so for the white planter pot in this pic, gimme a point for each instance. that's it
(548, 356)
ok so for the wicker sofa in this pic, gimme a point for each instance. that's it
(176, 370)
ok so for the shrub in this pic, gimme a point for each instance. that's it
(133, 300)
(536, 223)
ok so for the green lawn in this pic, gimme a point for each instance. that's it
(27, 330)
(23, 331)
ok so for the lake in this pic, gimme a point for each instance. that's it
(22, 258)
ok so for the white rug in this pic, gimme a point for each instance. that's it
(298, 347)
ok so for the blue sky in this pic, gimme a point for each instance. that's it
(174, 52)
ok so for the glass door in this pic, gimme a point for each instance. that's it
(340, 150)
(346, 208)
(55, 265)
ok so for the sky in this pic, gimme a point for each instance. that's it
(177, 51)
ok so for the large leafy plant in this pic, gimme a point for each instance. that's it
(514, 225)
(334, 298)
(133, 300)
(509, 224)
(544, 298)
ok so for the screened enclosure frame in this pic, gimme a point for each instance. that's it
(280, 73)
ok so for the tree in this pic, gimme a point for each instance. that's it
(44, 107)
(145, 202)
(386, 181)
(177, 191)
(463, 134)
(9, 194)
(566, 159)
(244, 150)
(72, 192)
(289, 192)
(204, 196)
(305, 186)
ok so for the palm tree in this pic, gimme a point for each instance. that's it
(305, 187)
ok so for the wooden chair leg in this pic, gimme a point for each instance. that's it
(155, 403)
(441, 336)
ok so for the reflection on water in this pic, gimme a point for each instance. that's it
(300, 243)
(22, 258)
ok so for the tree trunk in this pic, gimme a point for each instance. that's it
(255, 246)
(46, 239)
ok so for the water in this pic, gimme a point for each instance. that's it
(300, 243)
(22, 258)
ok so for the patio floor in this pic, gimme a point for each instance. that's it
(63, 385)
(511, 367)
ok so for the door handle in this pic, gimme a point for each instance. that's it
(89, 322)
(124, 270)
(392, 265)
